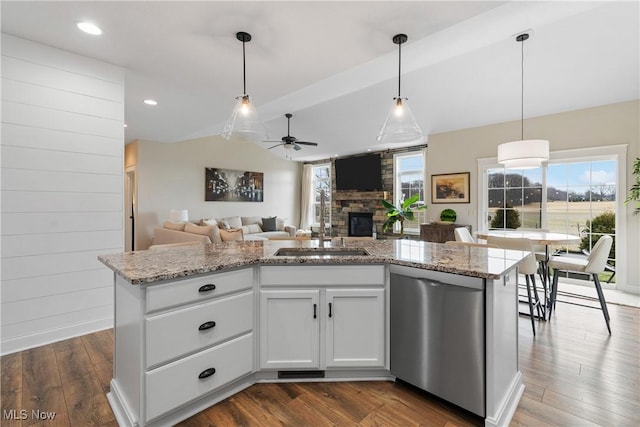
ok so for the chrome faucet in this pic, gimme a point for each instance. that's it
(321, 232)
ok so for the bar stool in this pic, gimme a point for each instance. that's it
(594, 264)
(528, 267)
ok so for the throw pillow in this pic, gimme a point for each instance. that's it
(253, 228)
(269, 224)
(280, 224)
(210, 221)
(178, 226)
(206, 230)
(247, 220)
(233, 221)
(231, 235)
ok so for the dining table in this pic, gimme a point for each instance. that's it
(540, 238)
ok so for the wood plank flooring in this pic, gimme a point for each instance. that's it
(574, 372)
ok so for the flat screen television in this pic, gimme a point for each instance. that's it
(360, 173)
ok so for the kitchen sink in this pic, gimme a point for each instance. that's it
(321, 252)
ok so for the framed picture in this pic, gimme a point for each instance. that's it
(450, 188)
(226, 185)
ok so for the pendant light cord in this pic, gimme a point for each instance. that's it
(522, 89)
(399, 66)
(244, 70)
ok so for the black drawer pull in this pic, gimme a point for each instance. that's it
(208, 287)
(315, 312)
(206, 325)
(330, 310)
(207, 373)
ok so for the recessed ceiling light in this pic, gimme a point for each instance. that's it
(90, 28)
(150, 102)
(125, 125)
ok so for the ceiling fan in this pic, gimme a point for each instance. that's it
(289, 142)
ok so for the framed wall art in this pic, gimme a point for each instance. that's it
(450, 188)
(227, 185)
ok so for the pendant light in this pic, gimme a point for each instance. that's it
(529, 153)
(400, 125)
(244, 120)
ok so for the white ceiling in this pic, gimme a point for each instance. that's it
(333, 64)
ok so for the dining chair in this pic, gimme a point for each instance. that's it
(527, 267)
(594, 264)
(462, 234)
(540, 252)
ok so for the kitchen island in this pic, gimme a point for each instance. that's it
(196, 324)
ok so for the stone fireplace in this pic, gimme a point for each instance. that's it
(360, 224)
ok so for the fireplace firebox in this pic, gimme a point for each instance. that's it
(360, 224)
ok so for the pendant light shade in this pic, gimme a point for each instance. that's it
(523, 154)
(400, 125)
(244, 120)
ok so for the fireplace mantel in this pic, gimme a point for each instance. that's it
(360, 195)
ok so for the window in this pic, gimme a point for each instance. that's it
(409, 180)
(514, 198)
(322, 181)
(575, 193)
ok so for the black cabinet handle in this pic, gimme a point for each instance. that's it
(329, 309)
(206, 325)
(207, 373)
(206, 288)
(315, 310)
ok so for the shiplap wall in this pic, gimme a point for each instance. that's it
(62, 192)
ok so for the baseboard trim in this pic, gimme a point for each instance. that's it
(510, 404)
(47, 337)
(124, 417)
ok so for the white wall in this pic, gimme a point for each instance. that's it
(602, 126)
(171, 176)
(62, 167)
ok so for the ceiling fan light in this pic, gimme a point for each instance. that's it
(523, 154)
(244, 121)
(400, 126)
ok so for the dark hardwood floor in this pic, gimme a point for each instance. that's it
(575, 375)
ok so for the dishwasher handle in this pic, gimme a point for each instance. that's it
(436, 283)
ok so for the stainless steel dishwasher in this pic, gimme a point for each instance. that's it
(437, 334)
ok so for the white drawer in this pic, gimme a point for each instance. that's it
(319, 275)
(177, 383)
(186, 291)
(173, 334)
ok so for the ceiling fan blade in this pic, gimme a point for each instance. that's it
(272, 141)
(297, 147)
(307, 143)
(277, 145)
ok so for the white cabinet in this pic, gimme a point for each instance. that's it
(339, 322)
(180, 345)
(289, 329)
(354, 327)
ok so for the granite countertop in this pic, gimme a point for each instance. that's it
(143, 267)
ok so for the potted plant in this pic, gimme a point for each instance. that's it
(402, 213)
(448, 215)
(634, 192)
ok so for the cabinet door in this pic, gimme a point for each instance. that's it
(355, 327)
(289, 329)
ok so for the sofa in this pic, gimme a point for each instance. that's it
(218, 230)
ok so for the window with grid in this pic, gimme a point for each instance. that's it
(409, 180)
(322, 181)
(575, 193)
